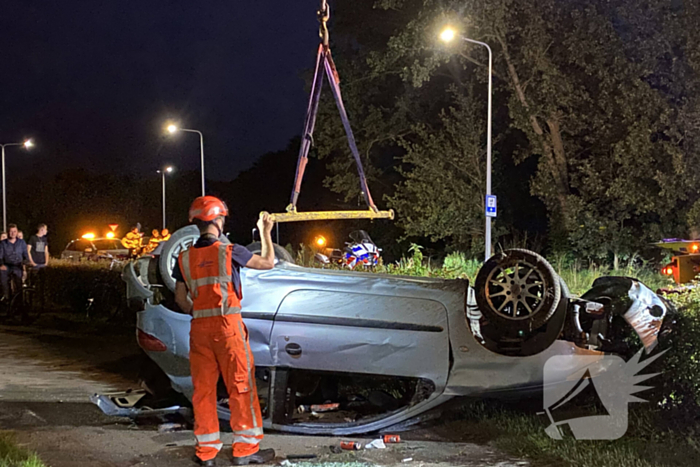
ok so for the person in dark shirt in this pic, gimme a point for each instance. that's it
(13, 257)
(38, 248)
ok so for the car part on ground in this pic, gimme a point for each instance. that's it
(387, 349)
(131, 404)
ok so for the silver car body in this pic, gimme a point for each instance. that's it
(354, 322)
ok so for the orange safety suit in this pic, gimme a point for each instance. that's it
(219, 345)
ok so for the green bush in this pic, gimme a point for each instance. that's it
(68, 284)
(679, 382)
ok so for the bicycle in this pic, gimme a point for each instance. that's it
(105, 300)
(22, 303)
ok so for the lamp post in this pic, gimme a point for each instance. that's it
(27, 144)
(172, 129)
(162, 172)
(447, 35)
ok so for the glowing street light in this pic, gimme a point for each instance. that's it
(447, 35)
(172, 129)
(168, 169)
(27, 144)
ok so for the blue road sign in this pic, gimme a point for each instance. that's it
(490, 205)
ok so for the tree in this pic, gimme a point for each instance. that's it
(580, 87)
(444, 177)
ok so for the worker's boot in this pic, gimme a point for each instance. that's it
(263, 456)
(209, 463)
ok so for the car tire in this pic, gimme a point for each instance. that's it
(517, 292)
(280, 253)
(180, 241)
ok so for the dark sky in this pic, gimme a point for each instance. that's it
(93, 81)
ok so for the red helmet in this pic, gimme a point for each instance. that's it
(207, 208)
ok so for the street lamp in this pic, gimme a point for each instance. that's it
(165, 170)
(447, 35)
(172, 129)
(27, 144)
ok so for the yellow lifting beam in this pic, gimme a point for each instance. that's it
(294, 216)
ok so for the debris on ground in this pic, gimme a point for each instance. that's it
(350, 445)
(391, 439)
(301, 456)
(170, 427)
(318, 408)
(376, 444)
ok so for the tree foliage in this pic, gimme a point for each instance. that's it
(602, 93)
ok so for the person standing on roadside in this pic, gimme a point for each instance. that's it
(38, 248)
(13, 257)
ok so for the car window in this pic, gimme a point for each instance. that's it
(108, 245)
(79, 245)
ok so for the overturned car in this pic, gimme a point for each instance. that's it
(385, 350)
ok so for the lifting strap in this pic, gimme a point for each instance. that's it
(326, 67)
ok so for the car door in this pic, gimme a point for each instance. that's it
(354, 332)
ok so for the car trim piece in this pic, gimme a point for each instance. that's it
(258, 315)
(356, 322)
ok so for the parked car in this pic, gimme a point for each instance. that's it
(387, 348)
(94, 249)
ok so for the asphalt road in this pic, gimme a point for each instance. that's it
(46, 378)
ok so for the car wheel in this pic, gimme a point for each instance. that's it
(180, 241)
(280, 253)
(517, 291)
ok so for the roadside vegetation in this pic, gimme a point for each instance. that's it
(12, 455)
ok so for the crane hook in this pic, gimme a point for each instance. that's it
(323, 15)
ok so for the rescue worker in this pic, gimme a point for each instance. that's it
(209, 274)
(132, 241)
(153, 241)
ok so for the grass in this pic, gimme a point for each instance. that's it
(12, 455)
(523, 435)
(518, 432)
(580, 278)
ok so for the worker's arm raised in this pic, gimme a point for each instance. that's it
(266, 259)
